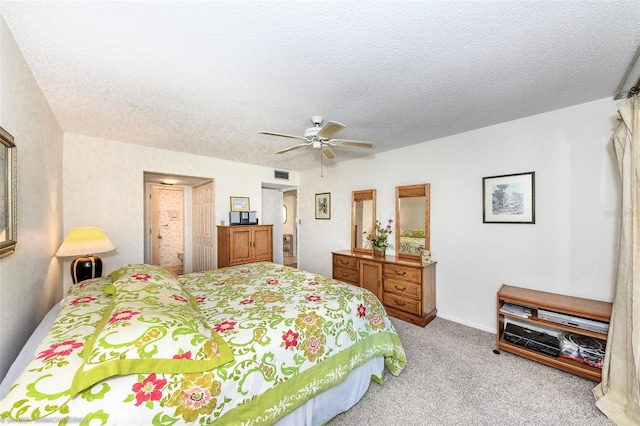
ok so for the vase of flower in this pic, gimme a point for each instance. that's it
(377, 238)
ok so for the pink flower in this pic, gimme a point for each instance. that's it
(201, 299)
(85, 283)
(82, 300)
(246, 302)
(180, 298)
(290, 339)
(362, 311)
(314, 283)
(186, 355)
(141, 277)
(273, 281)
(59, 349)
(122, 316)
(225, 326)
(313, 298)
(149, 389)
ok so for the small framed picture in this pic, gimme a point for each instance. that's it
(239, 204)
(323, 205)
(509, 198)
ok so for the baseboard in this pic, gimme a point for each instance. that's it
(467, 323)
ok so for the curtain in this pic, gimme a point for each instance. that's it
(618, 395)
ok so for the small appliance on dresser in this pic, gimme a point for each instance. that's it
(243, 218)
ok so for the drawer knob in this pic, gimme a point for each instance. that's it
(399, 303)
(401, 273)
(401, 289)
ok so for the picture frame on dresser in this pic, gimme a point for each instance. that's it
(509, 198)
(323, 205)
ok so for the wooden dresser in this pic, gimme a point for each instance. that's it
(406, 288)
(244, 244)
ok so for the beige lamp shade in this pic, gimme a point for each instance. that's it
(83, 241)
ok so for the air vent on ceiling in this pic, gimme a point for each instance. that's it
(279, 174)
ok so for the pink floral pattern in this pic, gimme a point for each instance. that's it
(225, 326)
(82, 300)
(149, 389)
(122, 316)
(290, 339)
(59, 349)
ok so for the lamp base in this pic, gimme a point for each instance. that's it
(86, 267)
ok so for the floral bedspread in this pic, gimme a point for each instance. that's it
(292, 334)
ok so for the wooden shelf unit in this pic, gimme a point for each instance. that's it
(574, 306)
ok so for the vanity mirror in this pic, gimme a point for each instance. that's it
(412, 220)
(363, 216)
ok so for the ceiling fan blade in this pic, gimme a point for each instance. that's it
(347, 142)
(329, 129)
(282, 135)
(328, 152)
(291, 148)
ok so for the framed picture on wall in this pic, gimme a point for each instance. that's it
(323, 205)
(509, 198)
(239, 204)
(8, 194)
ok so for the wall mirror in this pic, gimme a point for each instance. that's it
(363, 216)
(8, 204)
(412, 220)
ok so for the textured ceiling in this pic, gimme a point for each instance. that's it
(205, 77)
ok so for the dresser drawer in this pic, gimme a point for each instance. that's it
(403, 288)
(403, 304)
(344, 274)
(406, 273)
(345, 262)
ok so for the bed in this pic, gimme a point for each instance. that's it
(412, 241)
(259, 343)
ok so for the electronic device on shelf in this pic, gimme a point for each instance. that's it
(532, 339)
(573, 321)
(243, 218)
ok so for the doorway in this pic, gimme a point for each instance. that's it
(290, 228)
(179, 222)
(167, 228)
(280, 208)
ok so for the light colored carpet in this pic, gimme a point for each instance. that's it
(454, 378)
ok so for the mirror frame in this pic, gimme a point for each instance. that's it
(409, 191)
(363, 195)
(9, 192)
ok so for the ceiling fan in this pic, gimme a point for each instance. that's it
(320, 138)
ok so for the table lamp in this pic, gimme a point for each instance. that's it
(85, 242)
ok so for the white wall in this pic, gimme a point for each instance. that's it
(571, 247)
(30, 279)
(103, 186)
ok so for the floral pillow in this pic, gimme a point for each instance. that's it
(150, 327)
(141, 272)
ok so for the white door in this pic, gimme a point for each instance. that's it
(203, 228)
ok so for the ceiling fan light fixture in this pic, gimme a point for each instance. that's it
(321, 138)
